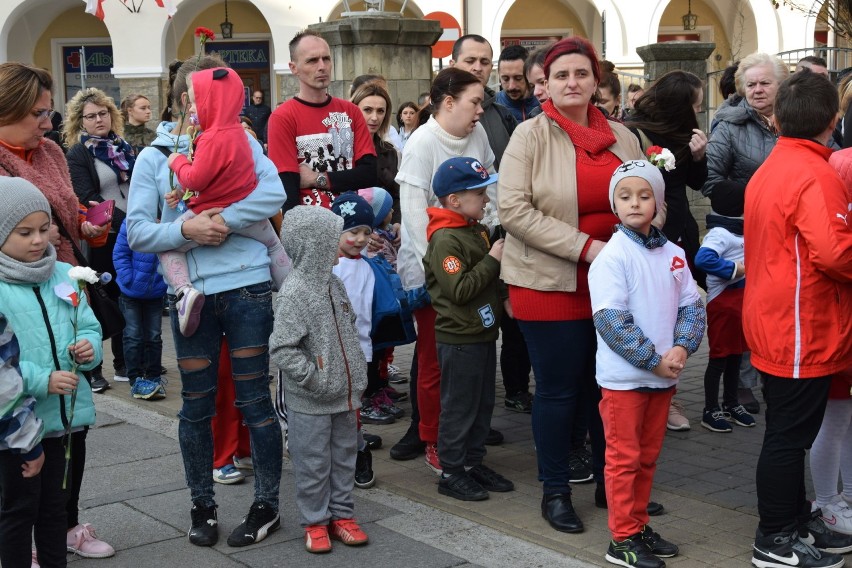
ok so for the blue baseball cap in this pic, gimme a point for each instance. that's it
(460, 174)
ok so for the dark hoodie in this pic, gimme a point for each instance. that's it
(463, 280)
(222, 169)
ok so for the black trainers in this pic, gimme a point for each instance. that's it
(373, 441)
(654, 509)
(521, 402)
(462, 486)
(410, 446)
(578, 466)
(786, 550)
(657, 544)
(632, 552)
(260, 521)
(494, 438)
(818, 535)
(205, 526)
(489, 479)
(364, 476)
(98, 383)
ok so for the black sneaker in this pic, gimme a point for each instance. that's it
(494, 438)
(521, 402)
(98, 383)
(373, 441)
(657, 544)
(260, 521)
(632, 552)
(364, 476)
(786, 550)
(818, 535)
(462, 486)
(654, 509)
(578, 468)
(489, 479)
(410, 446)
(205, 526)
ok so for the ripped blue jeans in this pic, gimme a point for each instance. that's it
(244, 316)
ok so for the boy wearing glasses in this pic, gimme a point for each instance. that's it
(649, 318)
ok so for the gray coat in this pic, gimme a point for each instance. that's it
(499, 125)
(314, 341)
(739, 144)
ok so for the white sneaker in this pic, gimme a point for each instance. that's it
(243, 463)
(837, 516)
(227, 475)
(189, 311)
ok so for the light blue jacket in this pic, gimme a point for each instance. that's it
(38, 315)
(239, 261)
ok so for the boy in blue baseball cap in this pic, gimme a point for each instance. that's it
(462, 276)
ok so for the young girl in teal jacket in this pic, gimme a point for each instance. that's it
(33, 286)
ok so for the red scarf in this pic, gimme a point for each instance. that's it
(594, 139)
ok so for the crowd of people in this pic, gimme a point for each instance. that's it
(314, 238)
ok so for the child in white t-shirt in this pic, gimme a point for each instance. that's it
(649, 318)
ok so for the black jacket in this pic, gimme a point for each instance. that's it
(87, 184)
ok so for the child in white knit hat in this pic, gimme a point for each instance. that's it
(649, 318)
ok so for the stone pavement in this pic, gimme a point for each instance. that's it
(135, 495)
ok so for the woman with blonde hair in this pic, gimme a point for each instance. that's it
(136, 112)
(100, 162)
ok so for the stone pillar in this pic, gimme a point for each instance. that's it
(377, 43)
(660, 58)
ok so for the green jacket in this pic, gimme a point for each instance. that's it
(463, 280)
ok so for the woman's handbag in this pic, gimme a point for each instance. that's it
(106, 309)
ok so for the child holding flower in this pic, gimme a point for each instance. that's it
(59, 338)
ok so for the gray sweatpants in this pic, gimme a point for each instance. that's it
(468, 372)
(323, 449)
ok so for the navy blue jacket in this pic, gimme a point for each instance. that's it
(136, 272)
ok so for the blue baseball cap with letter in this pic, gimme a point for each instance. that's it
(460, 174)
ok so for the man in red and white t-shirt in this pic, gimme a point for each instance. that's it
(320, 144)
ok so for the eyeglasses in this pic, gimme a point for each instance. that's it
(629, 166)
(41, 114)
(95, 115)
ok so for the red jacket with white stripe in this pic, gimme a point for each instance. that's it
(797, 311)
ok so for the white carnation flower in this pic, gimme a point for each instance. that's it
(83, 273)
(668, 159)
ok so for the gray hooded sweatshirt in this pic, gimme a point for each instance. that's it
(314, 341)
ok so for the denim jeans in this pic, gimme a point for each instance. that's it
(244, 316)
(563, 359)
(143, 344)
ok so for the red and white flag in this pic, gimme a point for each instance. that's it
(94, 8)
(169, 5)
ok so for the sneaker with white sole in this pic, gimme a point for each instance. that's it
(816, 533)
(205, 526)
(227, 475)
(677, 421)
(256, 526)
(714, 420)
(396, 376)
(189, 306)
(243, 463)
(786, 550)
(83, 541)
(432, 459)
(739, 415)
(147, 389)
(838, 516)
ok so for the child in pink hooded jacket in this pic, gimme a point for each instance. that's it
(220, 173)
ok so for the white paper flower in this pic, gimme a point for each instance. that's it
(668, 159)
(83, 273)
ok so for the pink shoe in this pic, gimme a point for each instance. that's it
(35, 563)
(83, 540)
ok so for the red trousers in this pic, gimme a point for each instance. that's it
(230, 434)
(634, 426)
(428, 375)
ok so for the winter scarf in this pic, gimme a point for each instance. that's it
(594, 139)
(114, 151)
(17, 272)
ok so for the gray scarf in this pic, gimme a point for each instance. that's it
(17, 272)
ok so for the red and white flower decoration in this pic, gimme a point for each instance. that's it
(661, 157)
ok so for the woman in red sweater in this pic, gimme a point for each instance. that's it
(553, 201)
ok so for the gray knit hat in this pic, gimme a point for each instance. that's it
(641, 169)
(19, 198)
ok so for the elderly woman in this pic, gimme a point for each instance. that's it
(24, 152)
(741, 140)
(553, 201)
(101, 163)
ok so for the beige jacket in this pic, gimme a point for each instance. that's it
(537, 204)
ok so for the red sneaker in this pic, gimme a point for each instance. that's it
(432, 458)
(348, 532)
(316, 539)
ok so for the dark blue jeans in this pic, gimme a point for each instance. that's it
(563, 359)
(143, 343)
(244, 316)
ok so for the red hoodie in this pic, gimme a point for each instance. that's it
(222, 169)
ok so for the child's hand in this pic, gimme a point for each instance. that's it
(171, 159)
(497, 249)
(667, 369)
(82, 351)
(62, 382)
(33, 467)
(676, 354)
(173, 198)
(740, 270)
